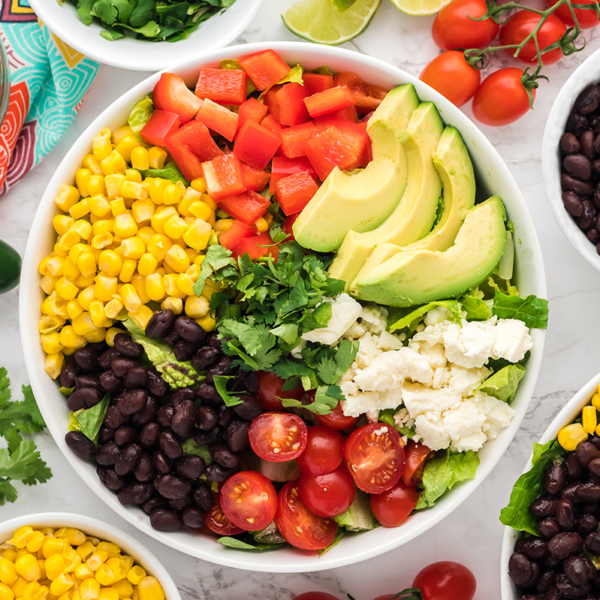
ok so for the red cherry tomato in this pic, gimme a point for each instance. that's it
(446, 580)
(249, 500)
(392, 507)
(278, 437)
(522, 24)
(586, 18)
(218, 523)
(453, 27)
(501, 99)
(327, 495)
(299, 526)
(451, 75)
(375, 457)
(324, 451)
(416, 457)
(336, 419)
(269, 390)
(315, 596)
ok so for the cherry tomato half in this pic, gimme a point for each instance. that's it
(375, 457)
(336, 419)
(446, 580)
(586, 18)
(249, 500)
(451, 75)
(316, 596)
(416, 457)
(278, 437)
(327, 495)
(521, 25)
(269, 391)
(324, 451)
(501, 99)
(299, 526)
(454, 28)
(392, 507)
(218, 523)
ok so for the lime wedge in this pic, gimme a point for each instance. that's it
(322, 22)
(420, 8)
(342, 5)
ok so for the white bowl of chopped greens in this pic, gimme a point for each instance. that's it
(451, 476)
(145, 39)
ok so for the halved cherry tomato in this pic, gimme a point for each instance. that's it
(366, 97)
(224, 86)
(256, 246)
(327, 495)
(255, 145)
(249, 500)
(454, 28)
(218, 118)
(446, 580)
(315, 596)
(392, 507)
(451, 75)
(160, 125)
(292, 110)
(278, 437)
(324, 451)
(375, 457)
(317, 82)
(218, 523)
(586, 18)
(264, 68)
(299, 526)
(416, 456)
(269, 391)
(247, 207)
(171, 94)
(223, 177)
(295, 191)
(336, 419)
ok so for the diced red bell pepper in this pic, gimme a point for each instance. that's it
(349, 113)
(272, 124)
(288, 226)
(218, 118)
(366, 97)
(294, 138)
(254, 247)
(283, 167)
(256, 145)
(254, 179)
(190, 146)
(264, 68)
(294, 192)
(172, 95)
(270, 100)
(246, 207)
(253, 110)
(224, 86)
(317, 82)
(329, 101)
(223, 177)
(235, 234)
(292, 110)
(344, 147)
(160, 125)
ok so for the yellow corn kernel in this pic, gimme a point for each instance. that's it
(194, 270)
(140, 159)
(96, 560)
(74, 309)
(82, 176)
(123, 588)
(6, 593)
(207, 323)
(139, 283)
(175, 305)
(146, 234)
(57, 251)
(175, 227)
(53, 364)
(117, 207)
(134, 175)
(209, 201)
(98, 204)
(43, 266)
(62, 223)
(185, 284)
(48, 283)
(177, 259)
(147, 264)
(65, 289)
(156, 187)
(196, 308)
(84, 282)
(589, 419)
(91, 163)
(101, 241)
(199, 185)
(187, 201)
(134, 190)
(109, 337)
(104, 576)
(19, 587)
(201, 210)
(109, 593)
(171, 287)
(125, 226)
(79, 210)
(8, 573)
(127, 563)
(49, 324)
(172, 194)
(101, 147)
(97, 313)
(82, 571)
(135, 575)
(113, 308)
(114, 163)
(22, 535)
(150, 589)
(27, 567)
(86, 264)
(156, 157)
(155, 288)
(82, 324)
(223, 225)
(66, 197)
(105, 287)
(159, 245)
(35, 591)
(61, 585)
(196, 236)
(89, 589)
(570, 436)
(70, 269)
(142, 210)
(133, 247)
(261, 224)
(129, 267)
(54, 305)
(96, 185)
(55, 565)
(69, 239)
(70, 339)
(212, 219)
(86, 549)
(113, 185)
(596, 401)
(77, 249)
(98, 335)
(55, 265)
(51, 342)
(110, 262)
(142, 316)
(126, 146)
(120, 133)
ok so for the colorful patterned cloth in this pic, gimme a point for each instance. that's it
(48, 83)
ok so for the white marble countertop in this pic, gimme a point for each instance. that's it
(472, 534)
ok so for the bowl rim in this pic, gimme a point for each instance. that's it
(247, 560)
(103, 531)
(588, 72)
(566, 415)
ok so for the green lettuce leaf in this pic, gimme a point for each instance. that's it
(387, 416)
(90, 420)
(190, 448)
(476, 308)
(220, 382)
(141, 114)
(170, 171)
(232, 542)
(412, 319)
(504, 383)
(268, 535)
(533, 311)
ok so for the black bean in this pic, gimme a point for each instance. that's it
(158, 386)
(218, 473)
(135, 493)
(157, 501)
(171, 338)
(120, 365)
(588, 100)
(203, 438)
(149, 435)
(106, 358)
(147, 414)
(126, 346)
(105, 435)
(586, 140)
(185, 350)
(578, 165)
(172, 487)
(223, 455)
(165, 519)
(551, 562)
(588, 217)
(565, 544)
(592, 574)
(180, 504)
(251, 382)
(189, 330)
(145, 469)
(113, 418)
(190, 467)
(592, 542)
(223, 367)
(586, 524)
(548, 528)
(594, 466)
(205, 358)
(237, 435)
(193, 518)
(208, 393)
(204, 497)
(184, 418)
(532, 548)
(565, 515)
(569, 143)
(110, 479)
(576, 570)
(164, 416)
(226, 415)
(161, 462)
(207, 418)
(131, 401)
(583, 188)
(214, 341)
(68, 374)
(249, 409)
(574, 469)
(555, 479)
(84, 398)
(535, 576)
(87, 359)
(593, 235)
(88, 380)
(577, 123)
(80, 444)
(571, 492)
(128, 459)
(545, 582)
(111, 383)
(125, 435)
(519, 568)
(597, 142)
(237, 383)
(586, 452)
(137, 377)
(594, 439)
(160, 324)
(169, 445)
(543, 506)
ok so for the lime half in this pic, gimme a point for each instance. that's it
(420, 8)
(321, 22)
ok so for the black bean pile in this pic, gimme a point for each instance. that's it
(140, 447)
(580, 152)
(555, 565)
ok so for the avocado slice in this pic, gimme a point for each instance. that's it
(358, 516)
(416, 277)
(454, 166)
(415, 214)
(362, 200)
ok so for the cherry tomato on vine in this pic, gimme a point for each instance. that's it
(327, 495)
(278, 437)
(502, 98)
(324, 451)
(269, 391)
(416, 456)
(316, 596)
(454, 28)
(586, 18)
(451, 75)
(392, 507)
(446, 580)
(521, 25)
(336, 419)
(218, 523)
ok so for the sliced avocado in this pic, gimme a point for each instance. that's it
(362, 200)
(414, 216)
(358, 517)
(420, 276)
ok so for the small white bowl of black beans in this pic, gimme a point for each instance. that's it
(571, 159)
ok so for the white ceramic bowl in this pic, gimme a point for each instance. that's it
(568, 414)
(141, 55)
(102, 531)
(588, 72)
(493, 176)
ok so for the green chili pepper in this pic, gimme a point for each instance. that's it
(10, 267)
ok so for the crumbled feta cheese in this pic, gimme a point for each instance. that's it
(376, 317)
(437, 315)
(345, 311)
(432, 432)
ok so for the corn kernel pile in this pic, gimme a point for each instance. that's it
(65, 564)
(123, 241)
(575, 433)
